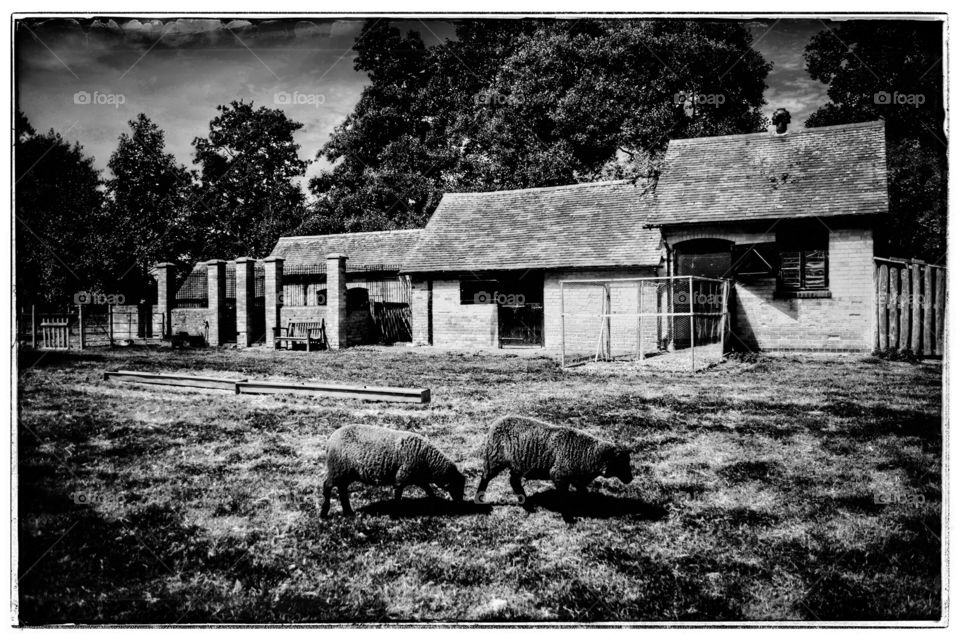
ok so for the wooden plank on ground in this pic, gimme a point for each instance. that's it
(904, 309)
(171, 379)
(928, 310)
(882, 302)
(329, 390)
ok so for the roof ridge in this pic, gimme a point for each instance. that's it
(804, 130)
(348, 233)
(577, 185)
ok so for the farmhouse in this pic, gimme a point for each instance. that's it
(790, 218)
(780, 223)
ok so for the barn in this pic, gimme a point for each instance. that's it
(777, 226)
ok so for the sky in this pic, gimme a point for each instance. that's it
(86, 81)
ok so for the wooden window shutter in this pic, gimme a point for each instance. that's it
(791, 269)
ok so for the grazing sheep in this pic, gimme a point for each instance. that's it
(379, 456)
(537, 450)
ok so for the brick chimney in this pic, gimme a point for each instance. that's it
(781, 118)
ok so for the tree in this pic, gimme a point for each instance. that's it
(527, 103)
(146, 206)
(246, 197)
(58, 220)
(893, 70)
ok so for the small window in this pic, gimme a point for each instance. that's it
(752, 261)
(803, 259)
(478, 291)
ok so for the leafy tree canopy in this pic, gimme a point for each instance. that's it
(893, 70)
(247, 195)
(527, 103)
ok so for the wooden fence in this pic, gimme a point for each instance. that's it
(911, 306)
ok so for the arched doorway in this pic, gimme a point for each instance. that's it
(707, 257)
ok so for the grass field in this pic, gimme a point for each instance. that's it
(766, 488)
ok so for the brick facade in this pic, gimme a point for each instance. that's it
(457, 325)
(843, 322)
(582, 302)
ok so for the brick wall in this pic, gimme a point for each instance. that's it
(360, 327)
(582, 332)
(459, 325)
(190, 321)
(843, 322)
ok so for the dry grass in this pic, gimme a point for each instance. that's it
(776, 488)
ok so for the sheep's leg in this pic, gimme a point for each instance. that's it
(398, 492)
(327, 490)
(344, 494)
(427, 490)
(489, 474)
(517, 486)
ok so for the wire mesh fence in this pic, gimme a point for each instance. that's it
(638, 319)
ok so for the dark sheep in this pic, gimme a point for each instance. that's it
(379, 456)
(534, 449)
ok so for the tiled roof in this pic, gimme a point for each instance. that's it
(823, 171)
(598, 224)
(366, 249)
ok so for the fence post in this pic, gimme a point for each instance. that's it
(272, 296)
(928, 310)
(882, 301)
(693, 358)
(80, 320)
(166, 293)
(110, 324)
(33, 326)
(892, 302)
(904, 309)
(563, 332)
(245, 294)
(216, 300)
(640, 320)
(337, 300)
(915, 298)
(941, 309)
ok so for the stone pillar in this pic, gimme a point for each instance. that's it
(421, 311)
(272, 295)
(245, 293)
(216, 300)
(166, 294)
(337, 300)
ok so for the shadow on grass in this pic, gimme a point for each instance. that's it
(596, 505)
(420, 507)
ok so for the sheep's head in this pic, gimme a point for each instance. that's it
(618, 465)
(455, 482)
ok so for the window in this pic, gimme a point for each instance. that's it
(803, 260)
(753, 261)
(478, 291)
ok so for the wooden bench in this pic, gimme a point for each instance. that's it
(308, 333)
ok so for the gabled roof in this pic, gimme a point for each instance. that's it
(823, 171)
(363, 250)
(599, 224)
